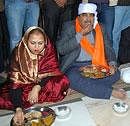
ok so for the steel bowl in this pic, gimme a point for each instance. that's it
(120, 107)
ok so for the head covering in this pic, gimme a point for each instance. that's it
(88, 8)
(26, 34)
(27, 67)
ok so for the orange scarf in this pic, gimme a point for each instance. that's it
(97, 50)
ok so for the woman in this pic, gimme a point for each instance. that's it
(34, 73)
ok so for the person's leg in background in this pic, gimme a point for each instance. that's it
(15, 13)
(70, 12)
(52, 14)
(4, 45)
(122, 21)
(1, 51)
(31, 15)
(106, 15)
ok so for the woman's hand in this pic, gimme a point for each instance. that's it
(18, 118)
(33, 95)
(60, 3)
(40, 76)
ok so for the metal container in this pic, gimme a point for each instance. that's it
(46, 118)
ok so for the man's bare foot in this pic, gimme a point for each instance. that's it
(71, 91)
(119, 93)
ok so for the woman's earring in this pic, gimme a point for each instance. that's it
(46, 42)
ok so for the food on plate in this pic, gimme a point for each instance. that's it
(94, 71)
(48, 120)
(37, 122)
(39, 116)
(33, 114)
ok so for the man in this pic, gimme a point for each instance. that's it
(82, 43)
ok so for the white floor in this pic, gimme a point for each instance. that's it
(5, 120)
(79, 116)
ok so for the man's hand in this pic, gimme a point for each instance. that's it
(33, 95)
(60, 3)
(112, 69)
(86, 30)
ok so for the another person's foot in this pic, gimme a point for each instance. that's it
(18, 118)
(119, 93)
(3, 77)
(3, 74)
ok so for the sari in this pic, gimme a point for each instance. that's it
(28, 70)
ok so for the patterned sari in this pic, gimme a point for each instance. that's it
(28, 70)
